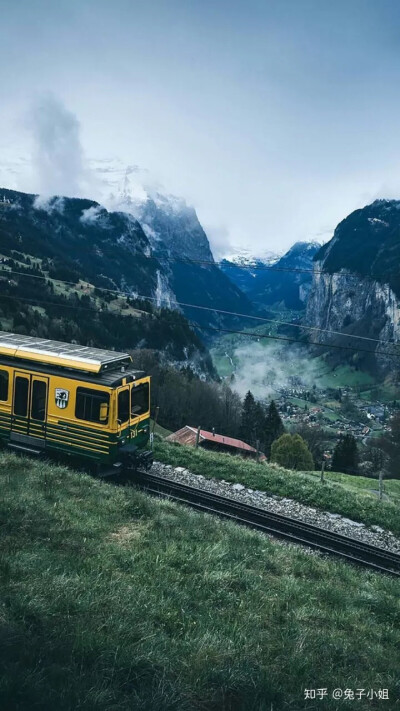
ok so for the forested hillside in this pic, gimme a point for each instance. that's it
(70, 270)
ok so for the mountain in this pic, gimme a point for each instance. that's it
(181, 247)
(79, 237)
(86, 246)
(279, 281)
(356, 284)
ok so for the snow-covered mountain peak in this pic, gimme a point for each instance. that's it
(245, 258)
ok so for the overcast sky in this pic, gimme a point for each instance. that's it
(274, 118)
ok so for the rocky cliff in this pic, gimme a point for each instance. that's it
(356, 286)
(181, 247)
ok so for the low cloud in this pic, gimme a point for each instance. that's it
(49, 204)
(58, 161)
(91, 215)
(219, 238)
(266, 369)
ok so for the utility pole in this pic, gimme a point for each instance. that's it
(154, 427)
(258, 450)
(198, 436)
(323, 471)
(381, 484)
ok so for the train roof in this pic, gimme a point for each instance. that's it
(65, 355)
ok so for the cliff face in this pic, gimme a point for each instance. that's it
(355, 286)
(181, 247)
(173, 228)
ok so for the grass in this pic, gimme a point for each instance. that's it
(362, 484)
(112, 601)
(301, 486)
(161, 431)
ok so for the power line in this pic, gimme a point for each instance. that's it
(209, 308)
(266, 267)
(327, 346)
(261, 267)
(67, 306)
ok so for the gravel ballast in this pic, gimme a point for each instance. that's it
(374, 535)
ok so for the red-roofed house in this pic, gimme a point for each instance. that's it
(210, 440)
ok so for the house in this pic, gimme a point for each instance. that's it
(212, 441)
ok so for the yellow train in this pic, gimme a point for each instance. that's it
(87, 403)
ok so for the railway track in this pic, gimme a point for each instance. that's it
(289, 529)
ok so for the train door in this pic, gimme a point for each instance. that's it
(28, 423)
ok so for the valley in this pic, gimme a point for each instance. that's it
(132, 277)
(307, 390)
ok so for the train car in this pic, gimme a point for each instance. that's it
(85, 403)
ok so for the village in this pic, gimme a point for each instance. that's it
(338, 411)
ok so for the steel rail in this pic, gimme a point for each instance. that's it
(290, 529)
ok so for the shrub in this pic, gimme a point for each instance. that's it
(291, 452)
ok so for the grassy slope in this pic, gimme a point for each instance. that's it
(362, 484)
(302, 486)
(161, 431)
(112, 601)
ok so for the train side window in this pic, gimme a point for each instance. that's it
(140, 399)
(123, 405)
(3, 385)
(21, 396)
(88, 402)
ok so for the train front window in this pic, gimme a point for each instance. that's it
(139, 399)
(3, 385)
(123, 405)
(88, 405)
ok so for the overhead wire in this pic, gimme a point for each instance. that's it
(257, 267)
(206, 308)
(326, 346)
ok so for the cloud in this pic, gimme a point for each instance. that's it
(57, 156)
(49, 204)
(219, 238)
(265, 369)
(91, 215)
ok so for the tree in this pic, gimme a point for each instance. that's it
(291, 452)
(260, 416)
(390, 444)
(345, 455)
(315, 438)
(248, 425)
(273, 428)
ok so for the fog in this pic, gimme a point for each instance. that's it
(266, 369)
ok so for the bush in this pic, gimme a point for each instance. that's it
(291, 452)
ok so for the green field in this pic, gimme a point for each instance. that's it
(337, 494)
(113, 601)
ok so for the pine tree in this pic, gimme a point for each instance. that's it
(248, 425)
(390, 444)
(273, 428)
(260, 416)
(345, 455)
